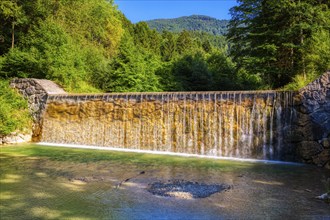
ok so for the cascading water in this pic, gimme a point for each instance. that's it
(223, 124)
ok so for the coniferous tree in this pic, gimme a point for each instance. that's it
(271, 38)
(168, 47)
(184, 42)
(147, 38)
(132, 70)
(11, 16)
(192, 73)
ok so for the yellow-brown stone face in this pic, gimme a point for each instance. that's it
(292, 126)
(217, 126)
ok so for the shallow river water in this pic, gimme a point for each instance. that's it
(38, 182)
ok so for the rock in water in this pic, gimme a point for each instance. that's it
(185, 189)
(325, 197)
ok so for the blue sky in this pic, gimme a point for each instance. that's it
(141, 10)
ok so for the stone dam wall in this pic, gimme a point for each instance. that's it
(36, 91)
(288, 126)
(310, 132)
(242, 125)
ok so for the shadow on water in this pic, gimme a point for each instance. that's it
(56, 183)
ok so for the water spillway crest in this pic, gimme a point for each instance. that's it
(215, 124)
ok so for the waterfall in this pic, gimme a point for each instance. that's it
(222, 124)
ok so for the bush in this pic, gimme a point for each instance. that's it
(300, 81)
(14, 114)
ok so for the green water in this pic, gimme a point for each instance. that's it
(38, 182)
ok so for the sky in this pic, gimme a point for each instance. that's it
(142, 10)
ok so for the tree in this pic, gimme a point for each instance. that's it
(11, 15)
(271, 38)
(92, 22)
(147, 38)
(132, 70)
(48, 52)
(184, 42)
(223, 72)
(168, 46)
(62, 40)
(192, 74)
(206, 45)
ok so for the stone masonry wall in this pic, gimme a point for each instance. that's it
(36, 91)
(310, 132)
(307, 135)
(230, 124)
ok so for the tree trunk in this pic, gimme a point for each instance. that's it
(13, 35)
(302, 54)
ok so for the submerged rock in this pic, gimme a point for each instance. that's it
(185, 189)
(325, 197)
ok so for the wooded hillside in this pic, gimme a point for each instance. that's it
(199, 23)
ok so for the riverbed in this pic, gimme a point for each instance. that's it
(39, 182)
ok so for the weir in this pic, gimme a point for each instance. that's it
(265, 125)
(224, 124)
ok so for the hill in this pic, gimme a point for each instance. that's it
(193, 23)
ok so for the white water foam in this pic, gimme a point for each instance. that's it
(167, 153)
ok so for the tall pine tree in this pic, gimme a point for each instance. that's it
(273, 38)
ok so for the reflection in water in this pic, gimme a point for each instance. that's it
(60, 188)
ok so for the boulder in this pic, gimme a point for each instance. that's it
(307, 149)
(322, 158)
(325, 143)
(293, 134)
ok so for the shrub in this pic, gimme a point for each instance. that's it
(300, 81)
(14, 114)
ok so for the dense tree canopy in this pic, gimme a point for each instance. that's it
(89, 45)
(200, 23)
(66, 41)
(279, 40)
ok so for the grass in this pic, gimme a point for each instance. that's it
(300, 81)
(94, 156)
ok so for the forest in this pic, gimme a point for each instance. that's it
(90, 46)
(199, 23)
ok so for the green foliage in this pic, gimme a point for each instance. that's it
(280, 39)
(168, 46)
(48, 52)
(184, 42)
(133, 70)
(147, 38)
(93, 22)
(300, 81)
(192, 74)
(318, 56)
(166, 77)
(64, 41)
(191, 23)
(90, 46)
(11, 15)
(14, 115)
(223, 71)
